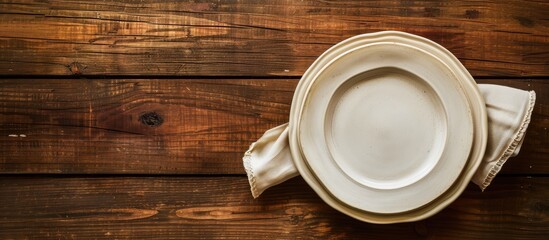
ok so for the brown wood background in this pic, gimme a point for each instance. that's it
(128, 119)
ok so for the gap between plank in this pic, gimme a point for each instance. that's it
(93, 77)
(151, 175)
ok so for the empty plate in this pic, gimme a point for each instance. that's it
(391, 127)
(386, 122)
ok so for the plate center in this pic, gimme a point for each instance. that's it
(386, 128)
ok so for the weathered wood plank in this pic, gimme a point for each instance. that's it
(96, 126)
(222, 207)
(257, 38)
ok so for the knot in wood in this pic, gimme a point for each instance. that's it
(151, 119)
(76, 68)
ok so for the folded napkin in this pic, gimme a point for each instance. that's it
(268, 161)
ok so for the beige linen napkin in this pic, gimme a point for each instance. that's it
(268, 161)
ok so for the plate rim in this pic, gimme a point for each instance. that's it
(327, 184)
(478, 110)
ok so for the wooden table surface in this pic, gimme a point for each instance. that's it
(128, 119)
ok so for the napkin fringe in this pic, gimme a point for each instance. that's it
(247, 161)
(514, 143)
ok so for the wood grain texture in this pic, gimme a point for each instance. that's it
(222, 207)
(257, 38)
(96, 126)
(103, 99)
(93, 126)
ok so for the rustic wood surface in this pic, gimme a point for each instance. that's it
(257, 38)
(128, 119)
(221, 207)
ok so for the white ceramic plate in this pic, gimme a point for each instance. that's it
(397, 126)
(476, 107)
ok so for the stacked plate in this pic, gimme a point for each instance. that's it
(390, 127)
